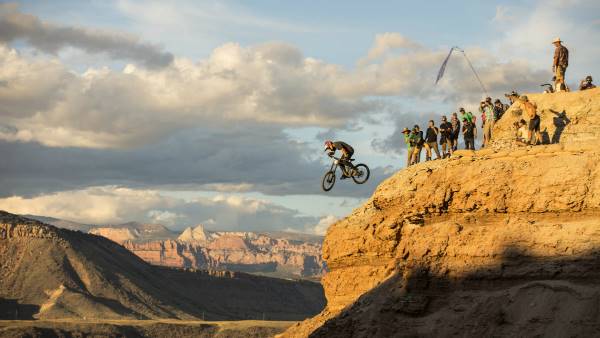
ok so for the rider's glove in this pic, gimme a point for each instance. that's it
(330, 153)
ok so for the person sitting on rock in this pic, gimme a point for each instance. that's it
(431, 141)
(406, 133)
(521, 132)
(534, 119)
(347, 152)
(446, 137)
(469, 134)
(586, 83)
(549, 87)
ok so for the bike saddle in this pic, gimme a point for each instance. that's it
(352, 159)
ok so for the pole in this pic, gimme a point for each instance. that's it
(443, 68)
(473, 69)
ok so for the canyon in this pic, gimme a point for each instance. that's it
(284, 255)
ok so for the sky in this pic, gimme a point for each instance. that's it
(215, 112)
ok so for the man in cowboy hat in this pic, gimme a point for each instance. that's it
(560, 64)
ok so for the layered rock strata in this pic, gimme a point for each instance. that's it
(503, 241)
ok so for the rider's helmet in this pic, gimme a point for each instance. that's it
(588, 78)
(328, 145)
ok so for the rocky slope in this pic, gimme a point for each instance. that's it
(50, 273)
(499, 242)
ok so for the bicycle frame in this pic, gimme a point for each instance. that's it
(336, 163)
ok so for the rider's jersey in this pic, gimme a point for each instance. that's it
(339, 145)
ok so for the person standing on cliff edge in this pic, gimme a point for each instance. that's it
(409, 150)
(534, 119)
(560, 64)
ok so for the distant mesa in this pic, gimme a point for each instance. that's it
(117, 234)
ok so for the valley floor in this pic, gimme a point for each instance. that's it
(141, 328)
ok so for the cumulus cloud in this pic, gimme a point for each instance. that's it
(241, 159)
(389, 41)
(324, 223)
(113, 205)
(270, 84)
(51, 38)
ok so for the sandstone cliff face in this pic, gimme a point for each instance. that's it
(501, 241)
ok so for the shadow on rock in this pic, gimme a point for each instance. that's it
(522, 295)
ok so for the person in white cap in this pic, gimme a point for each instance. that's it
(559, 66)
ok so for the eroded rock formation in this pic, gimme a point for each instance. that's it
(240, 251)
(498, 242)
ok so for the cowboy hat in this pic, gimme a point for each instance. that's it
(557, 40)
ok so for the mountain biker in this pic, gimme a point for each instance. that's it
(347, 152)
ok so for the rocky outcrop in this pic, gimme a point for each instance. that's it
(117, 234)
(498, 242)
(196, 234)
(133, 231)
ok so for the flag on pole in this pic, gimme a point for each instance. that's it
(443, 67)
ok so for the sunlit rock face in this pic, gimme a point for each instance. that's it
(502, 241)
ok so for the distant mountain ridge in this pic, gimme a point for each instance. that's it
(274, 253)
(47, 273)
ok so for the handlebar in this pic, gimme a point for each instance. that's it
(333, 157)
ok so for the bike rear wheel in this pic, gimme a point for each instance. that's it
(361, 174)
(328, 181)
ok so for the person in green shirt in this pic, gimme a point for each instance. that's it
(416, 141)
(406, 133)
(465, 115)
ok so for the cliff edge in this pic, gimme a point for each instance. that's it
(503, 241)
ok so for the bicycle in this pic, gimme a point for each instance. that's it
(359, 173)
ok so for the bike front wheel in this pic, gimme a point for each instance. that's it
(328, 181)
(361, 173)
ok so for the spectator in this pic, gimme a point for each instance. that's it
(487, 114)
(469, 116)
(416, 143)
(560, 64)
(406, 133)
(499, 109)
(521, 132)
(446, 137)
(534, 119)
(512, 97)
(455, 122)
(549, 86)
(431, 141)
(469, 134)
(587, 83)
